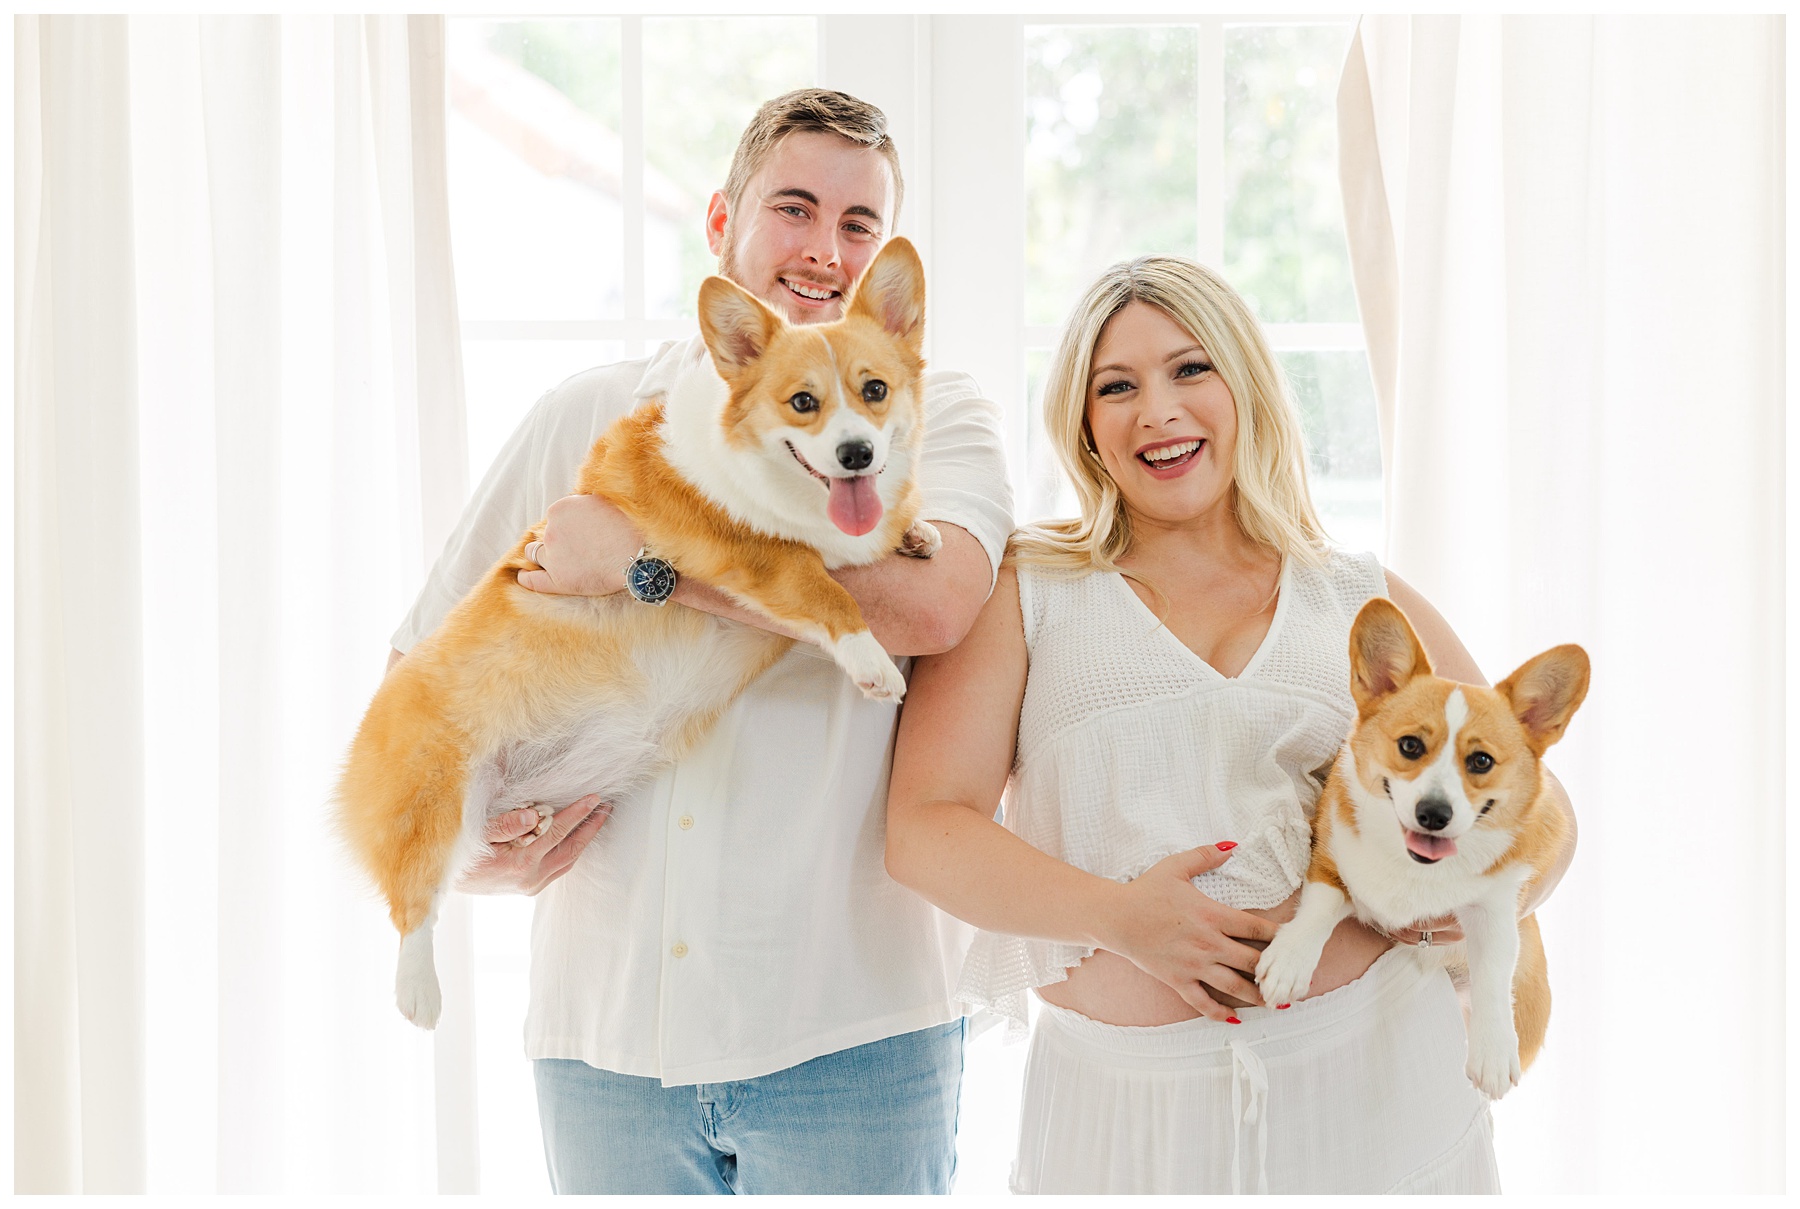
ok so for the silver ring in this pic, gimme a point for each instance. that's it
(1424, 940)
(532, 550)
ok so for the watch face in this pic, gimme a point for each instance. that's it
(651, 580)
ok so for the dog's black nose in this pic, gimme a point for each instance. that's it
(855, 455)
(1433, 813)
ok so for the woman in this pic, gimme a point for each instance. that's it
(1172, 668)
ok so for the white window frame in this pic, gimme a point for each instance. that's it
(635, 333)
(953, 88)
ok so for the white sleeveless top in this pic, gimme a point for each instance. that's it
(1132, 748)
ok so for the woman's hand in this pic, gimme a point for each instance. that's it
(1176, 934)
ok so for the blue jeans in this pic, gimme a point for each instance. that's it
(875, 1118)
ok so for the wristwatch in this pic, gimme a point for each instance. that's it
(650, 579)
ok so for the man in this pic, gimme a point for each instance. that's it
(728, 993)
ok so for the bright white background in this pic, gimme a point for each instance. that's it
(243, 1089)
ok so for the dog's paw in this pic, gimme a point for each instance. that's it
(1284, 973)
(419, 998)
(868, 665)
(922, 540)
(545, 814)
(415, 981)
(1494, 1062)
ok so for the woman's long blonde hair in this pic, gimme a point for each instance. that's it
(1270, 497)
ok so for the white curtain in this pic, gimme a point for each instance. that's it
(240, 442)
(1567, 236)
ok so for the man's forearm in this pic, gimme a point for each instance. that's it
(912, 606)
(708, 599)
(923, 606)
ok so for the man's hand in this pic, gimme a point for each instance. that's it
(524, 862)
(586, 545)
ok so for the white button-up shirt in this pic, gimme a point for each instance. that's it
(735, 916)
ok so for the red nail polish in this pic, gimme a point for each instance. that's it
(1226, 846)
(1232, 1020)
(1283, 1006)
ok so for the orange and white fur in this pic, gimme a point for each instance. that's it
(1435, 807)
(797, 455)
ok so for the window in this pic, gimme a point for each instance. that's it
(1215, 140)
(582, 155)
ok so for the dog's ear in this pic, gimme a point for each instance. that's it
(1545, 693)
(1385, 654)
(892, 293)
(735, 324)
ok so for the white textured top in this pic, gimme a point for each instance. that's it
(735, 916)
(1132, 748)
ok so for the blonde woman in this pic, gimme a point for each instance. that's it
(1164, 681)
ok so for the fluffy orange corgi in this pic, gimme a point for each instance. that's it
(793, 452)
(1436, 807)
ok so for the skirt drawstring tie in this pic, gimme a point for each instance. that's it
(1250, 1110)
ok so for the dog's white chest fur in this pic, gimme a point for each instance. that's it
(1391, 890)
(763, 486)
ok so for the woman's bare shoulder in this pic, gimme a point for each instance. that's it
(1449, 657)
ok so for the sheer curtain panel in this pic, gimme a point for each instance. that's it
(1567, 236)
(240, 443)
(78, 947)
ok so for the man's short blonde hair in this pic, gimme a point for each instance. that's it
(821, 109)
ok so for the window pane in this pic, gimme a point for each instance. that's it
(1110, 167)
(1046, 492)
(703, 81)
(503, 378)
(1337, 409)
(534, 168)
(1284, 216)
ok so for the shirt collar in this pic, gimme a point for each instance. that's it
(669, 363)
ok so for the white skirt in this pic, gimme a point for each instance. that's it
(1359, 1090)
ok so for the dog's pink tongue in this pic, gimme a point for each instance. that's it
(854, 506)
(1431, 847)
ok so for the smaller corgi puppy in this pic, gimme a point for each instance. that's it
(793, 451)
(1436, 807)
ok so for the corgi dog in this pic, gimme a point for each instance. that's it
(792, 453)
(1436, 806)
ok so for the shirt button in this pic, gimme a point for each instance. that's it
(686, 822)
(680, 949)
